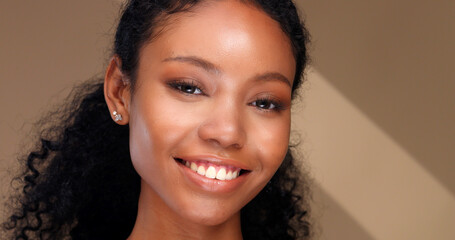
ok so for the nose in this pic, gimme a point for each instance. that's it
(224, 127)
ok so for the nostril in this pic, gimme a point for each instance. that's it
(236, 145)
(223, 132)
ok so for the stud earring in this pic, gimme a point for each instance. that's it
(118, 116)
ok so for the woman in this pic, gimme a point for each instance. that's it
(188, 136)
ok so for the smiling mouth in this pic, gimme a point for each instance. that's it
(213, 171)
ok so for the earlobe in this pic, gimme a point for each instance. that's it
(117, 92)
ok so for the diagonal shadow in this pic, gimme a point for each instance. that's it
(394, 61)
(337, 222)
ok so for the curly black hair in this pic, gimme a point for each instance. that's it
(80, 183)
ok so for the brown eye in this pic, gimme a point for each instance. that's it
(264, 104)
(190, 89)
(186, 87)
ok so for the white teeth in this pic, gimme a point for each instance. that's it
(229, 175)
(201, 170)
(193, 166)
(235, 174)
(221, 175)
(211, 172)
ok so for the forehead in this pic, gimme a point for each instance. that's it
(227, 33)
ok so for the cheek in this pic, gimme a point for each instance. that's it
(157, 129)
(272, 138)
(144, 141)
(150, 135)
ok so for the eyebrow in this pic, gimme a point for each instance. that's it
(210, 67)
(269, 76)
(196, 61)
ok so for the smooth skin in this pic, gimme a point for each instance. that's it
(216, 82)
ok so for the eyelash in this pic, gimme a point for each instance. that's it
(273, 104)
(181, 85)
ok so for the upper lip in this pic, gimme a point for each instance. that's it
(215, 160)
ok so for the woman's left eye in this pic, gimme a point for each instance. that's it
(266, 104)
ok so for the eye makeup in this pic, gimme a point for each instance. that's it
(186, 86)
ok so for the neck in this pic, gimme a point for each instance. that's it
(155, 220)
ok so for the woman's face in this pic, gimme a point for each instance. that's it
(212, 101)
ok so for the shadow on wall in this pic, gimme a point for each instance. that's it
(394, 60)
(334, 222)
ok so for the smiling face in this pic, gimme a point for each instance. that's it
(210, 113)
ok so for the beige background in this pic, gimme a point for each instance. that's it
(376, 119)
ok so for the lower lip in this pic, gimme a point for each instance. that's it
(212, 185)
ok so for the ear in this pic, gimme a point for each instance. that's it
(117, 92)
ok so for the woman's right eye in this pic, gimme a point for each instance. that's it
(185, 87)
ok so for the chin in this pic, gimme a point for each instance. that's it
(210, 218)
